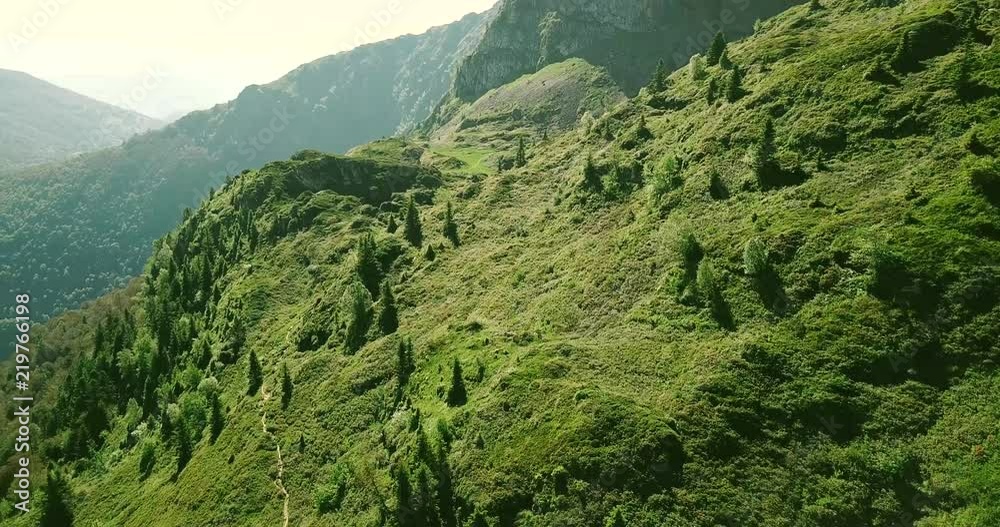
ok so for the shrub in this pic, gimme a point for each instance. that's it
(592, 176)
(147, 459)
(665, 178)
(696, 68)
(984, 175)
(450, 230)
(286, 386)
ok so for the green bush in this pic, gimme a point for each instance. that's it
(984, 175)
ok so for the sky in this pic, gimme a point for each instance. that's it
(166, 57)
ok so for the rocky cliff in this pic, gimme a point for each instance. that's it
(627, 37)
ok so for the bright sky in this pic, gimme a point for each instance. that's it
(192, 52)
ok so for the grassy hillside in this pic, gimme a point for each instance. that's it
(43, 122)
(94, 218)
(761, 293)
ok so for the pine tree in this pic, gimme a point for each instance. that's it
(388, 316)
(366, 263)
(713, 91)
(430, 254)
(216, 419)
(358, 304)
(412, 229)
(255, 376)
(659, 82)
(286, 386)
(762, 160)
(391, 227)
(55, 510)
(404, 361)
(404, 498)
(183, 444)
(716, 49)
(450, 227)
(521, 159)
(734, 85)
(755, 258)
(814, 5)
(724, 61)
(457, 395)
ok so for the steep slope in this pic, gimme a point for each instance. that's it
(760, 294)
(92, 219)
(43, 122)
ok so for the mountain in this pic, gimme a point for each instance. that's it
(759, 292)
(43, 122)
(93, 218)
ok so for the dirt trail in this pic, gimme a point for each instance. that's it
(265, 397)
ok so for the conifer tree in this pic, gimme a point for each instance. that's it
(388, 316)
(696, 68)
(659, 82)
(412, 229)
(255, 376)
(183, 444)
(763, 162)
(724, 61)
(457, 395)
(814, 5)
(404, 361)
(216, 420)
(713, 91)
(55, 510)
(404, 498)
(359, 316)
(430, 254)
(734, 85)
(391, 227)
(286, 386)
(450, 227)
(904, 59)
(521, 159)
(716, 49)
(366, 263)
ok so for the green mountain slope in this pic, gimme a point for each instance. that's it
(763, 293)
(43, 122)
(93, 218)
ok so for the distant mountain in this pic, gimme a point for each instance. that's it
(93, 218)
(43, 122)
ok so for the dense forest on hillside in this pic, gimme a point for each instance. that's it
(93, 218)
(763, 290)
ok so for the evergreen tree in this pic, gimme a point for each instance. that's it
(963, 75)
(457, 395)
(450, 227)
(183, 444)
(696, 68)
(412, 229)
(724, 61)
(302, 443)
(713, 91)
(404, 361)
(521, 158)
(904, 59)
(286, 386)
(216, 420)
(388, 316)
(366, 263)
(755, 258)
(734, 85)
(358, 304)
(392, 226)
(814, 5)
(716, 49)
(55, 510)
(660, 76)
(430, 254)
(255, 376)
(763, 155)
(404, 498)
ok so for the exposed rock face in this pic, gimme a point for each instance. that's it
(627, 37)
